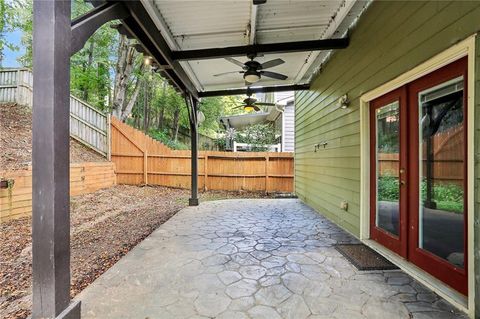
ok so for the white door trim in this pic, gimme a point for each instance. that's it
(459, 50)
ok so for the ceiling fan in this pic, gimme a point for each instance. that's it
(253, 71)
(250, 104)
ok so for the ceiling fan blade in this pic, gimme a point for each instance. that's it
(256, 108)
(272, 63)
(225, 73)
(238, 107)
(274, 75)
(236, 62)
(265, 104)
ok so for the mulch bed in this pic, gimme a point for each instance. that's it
(105, 226)
(364, 258)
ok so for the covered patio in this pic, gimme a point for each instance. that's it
(265, 258)
(228, 259)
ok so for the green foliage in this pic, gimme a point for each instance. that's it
(388, 188)
(221, 143)
(446, 192)
(448, 197)
(163, 136)
(8, 22)
(258, 136)
(212, 108)
(93, 71)
(92, 66)
(23, 11)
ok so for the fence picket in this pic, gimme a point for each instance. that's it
(139, 160)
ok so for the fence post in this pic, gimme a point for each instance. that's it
(267, 160)
(17, 88)
(145, 171)
(205, 172)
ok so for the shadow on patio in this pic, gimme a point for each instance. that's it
(252, 259)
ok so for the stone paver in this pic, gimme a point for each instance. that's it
(252, 259)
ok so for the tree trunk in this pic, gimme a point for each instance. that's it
(87, 67)
(160, 118)
(145, 107)
(176, 122)
(136, 122)
(124, 68)
(162, 107)
(128, 108)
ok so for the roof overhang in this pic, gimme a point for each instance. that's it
(239, 122)
(189, 39)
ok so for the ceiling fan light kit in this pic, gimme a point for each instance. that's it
(251, 76)
(248, 108)
(250, 104)
(253, 70)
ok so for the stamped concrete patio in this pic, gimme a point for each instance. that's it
(252, 259)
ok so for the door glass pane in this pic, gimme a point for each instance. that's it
(387, 164)
(441, 215)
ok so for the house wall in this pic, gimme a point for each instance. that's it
(390, 38)
(288, 127)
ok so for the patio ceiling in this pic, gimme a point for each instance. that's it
(164, 29)
(195, 25)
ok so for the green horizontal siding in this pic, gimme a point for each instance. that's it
(390, 39)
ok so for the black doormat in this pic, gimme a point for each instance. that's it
(364, 258)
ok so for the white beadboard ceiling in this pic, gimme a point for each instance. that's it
(201, 24)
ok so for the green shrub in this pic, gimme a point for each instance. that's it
(388, 188)
(164, 138)
(449, 197)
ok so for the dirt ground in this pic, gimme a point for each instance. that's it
(16, 140)
(105, 226)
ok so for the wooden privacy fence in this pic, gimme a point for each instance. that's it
(141, 160)
(448, 158)
(16, 202)
(87, 125)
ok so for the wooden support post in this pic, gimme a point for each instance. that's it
(51, 161)
(192, 103)
(267, 160)
(205, 172)
(145, 167)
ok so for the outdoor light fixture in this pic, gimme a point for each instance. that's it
(343, 101)
(248, 108)
(148, 60)
(251, 76)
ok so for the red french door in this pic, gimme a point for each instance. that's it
(388, 135)
(418, 173)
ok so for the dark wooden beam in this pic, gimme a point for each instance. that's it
(86, 25)
(266, 89)
(299, 46)
(192, 105)
(142, 26)
(51, 161)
